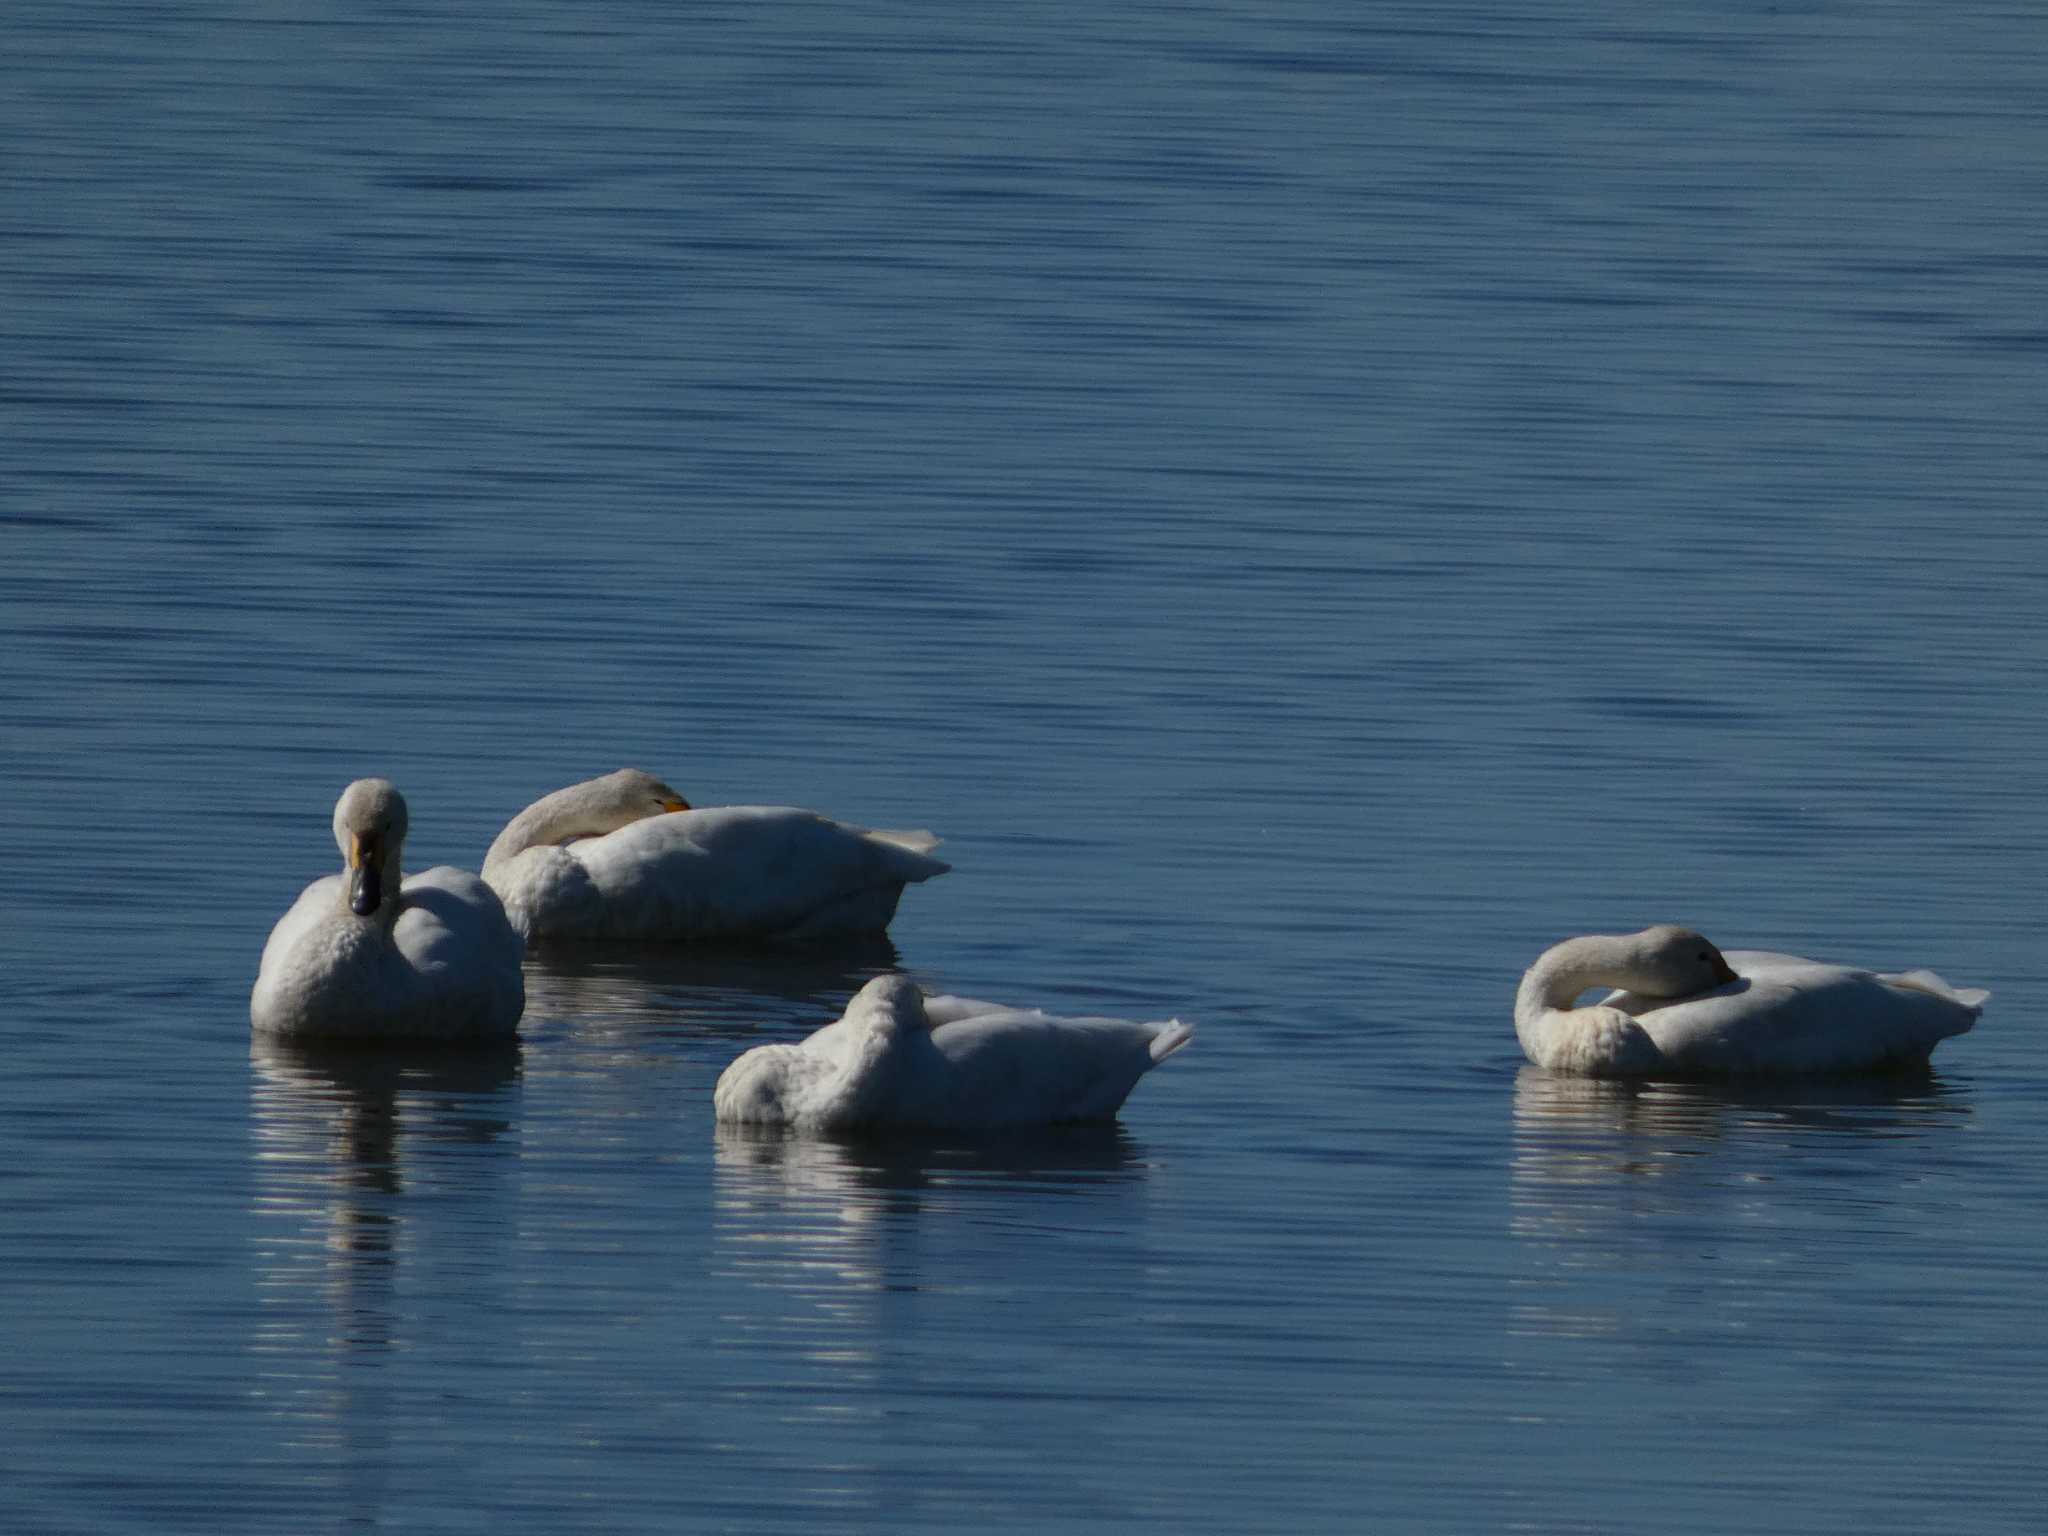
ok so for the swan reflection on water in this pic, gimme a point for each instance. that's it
(331, 1129)
(832, 1234)
(1580, 1130)
(336, 1135)
(617, 994)
(1618, 1188)
(757, 1162)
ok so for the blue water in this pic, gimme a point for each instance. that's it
(1312, 502)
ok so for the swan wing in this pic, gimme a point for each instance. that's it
(745, 872)
(453, 934)
(1023, 1067)
(947, 1008)
(304, 945)
(1928, 981)
(1787, 1015)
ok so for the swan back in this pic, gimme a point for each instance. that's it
(1788, 1015)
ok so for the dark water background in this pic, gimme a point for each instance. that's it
(1313, 501)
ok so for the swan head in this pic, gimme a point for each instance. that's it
(591, 808)
(369, 828)
(1662, 962)
(631, 796)
(1670, 961)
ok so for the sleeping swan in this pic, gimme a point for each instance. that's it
(625, 857)
(899, 1060)
(1684, 1009)
(367, 955)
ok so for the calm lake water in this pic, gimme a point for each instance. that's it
(1313, 502)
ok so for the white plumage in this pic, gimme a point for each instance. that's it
(372, 955)
(1683, 1008)
(625, 857)
(898, 1060)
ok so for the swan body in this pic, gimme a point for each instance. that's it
(625, 857)
(898, 1060)
(371, 954)
(1682, 1008)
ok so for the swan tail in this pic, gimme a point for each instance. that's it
(1927, 981)
(1170, 1039)
(911, 840)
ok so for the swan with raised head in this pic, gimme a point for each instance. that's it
(625, 857)
(1683, 1008)
(898, 1060)
(370, 954)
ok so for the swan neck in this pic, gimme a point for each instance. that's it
(529, 829)
(1563, 972)
(554, 818)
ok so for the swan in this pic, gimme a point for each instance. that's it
(1685, 1009)
(370, 955)
(898, 1060)
(625, 857)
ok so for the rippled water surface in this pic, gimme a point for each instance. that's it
(1312, 502)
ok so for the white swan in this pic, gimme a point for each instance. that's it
(625, 857)
(899, 1060)
(369, 955)
(1684, 1009)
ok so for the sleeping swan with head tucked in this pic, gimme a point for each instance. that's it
(901, 1061)
(625, 857)
(1685, 1009)
(371, 955)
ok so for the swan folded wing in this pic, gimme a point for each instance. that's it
(1928, 981)
(1817, 1018)
(784, 834)
(1022, 1067)
(304, 918)
(304, 948)
(453, 925)
(909, 839)
(746, 870)
(948, 1008)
